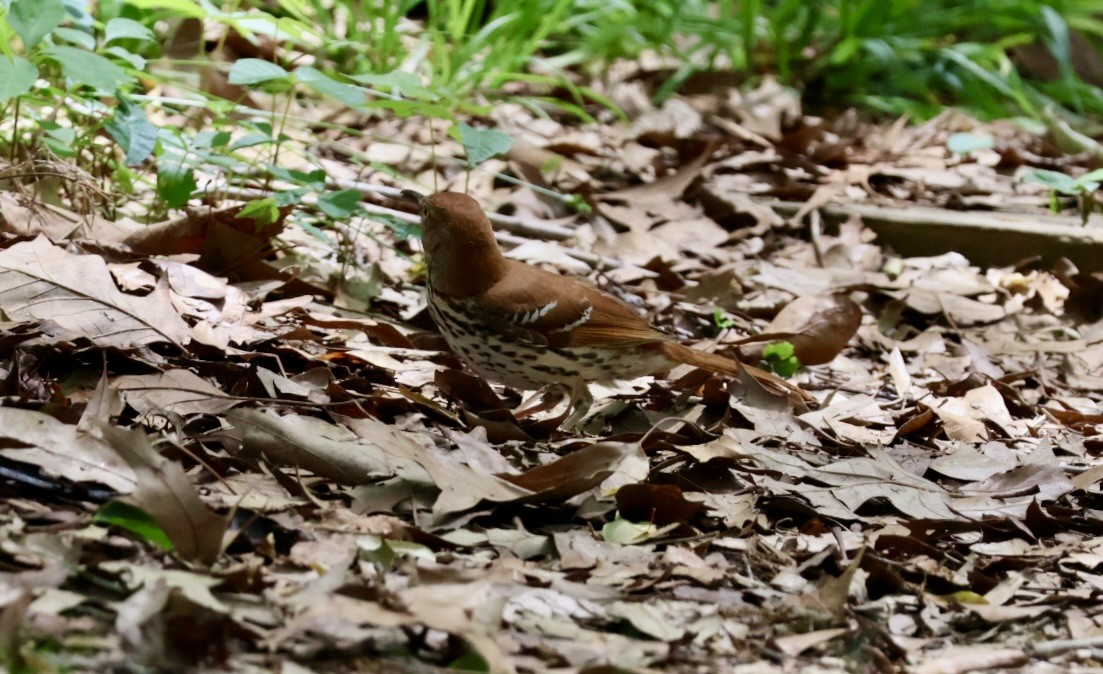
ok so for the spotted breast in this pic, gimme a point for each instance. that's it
(524, 358)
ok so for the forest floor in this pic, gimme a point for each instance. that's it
(319, 486)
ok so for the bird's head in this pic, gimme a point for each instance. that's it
(460, 249)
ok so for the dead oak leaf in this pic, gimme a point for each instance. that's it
(76, 297)
(168, 496)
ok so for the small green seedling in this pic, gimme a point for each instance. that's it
(722, 322)
(1083, 188)
(781, 359)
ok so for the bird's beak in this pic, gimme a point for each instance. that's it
(413, 197)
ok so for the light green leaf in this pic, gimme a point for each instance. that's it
(349, 94)
(964, 143)
(17, 76)
(59, 139)
(83, 67)
(1054, 180)
(257, 71)
(261, 211)
(406, 84)
(133, 60)
(135, 520)
(340, 205)
(33, 20)
(133, 132)
(124, 29)
(482, 144)
(80, 38)
(1091, 176)
(251, 140)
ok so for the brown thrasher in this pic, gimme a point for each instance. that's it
(526, 327)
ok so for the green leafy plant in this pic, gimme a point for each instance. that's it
(721, 321)
(1083, 189)
(781, 359)
(135, 520)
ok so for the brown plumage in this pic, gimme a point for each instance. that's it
(526, 327)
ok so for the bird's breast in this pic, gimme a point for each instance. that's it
(510, 359)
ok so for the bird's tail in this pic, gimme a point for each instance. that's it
(685, 355)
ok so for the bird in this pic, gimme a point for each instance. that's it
(529, 328)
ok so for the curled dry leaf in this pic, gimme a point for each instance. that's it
(574, 473)
(818, 326)
(76, 297)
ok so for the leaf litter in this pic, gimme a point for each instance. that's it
(336, 492)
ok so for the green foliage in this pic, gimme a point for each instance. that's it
(964, 143)
(135, 520)
(1083, 188)
(721, 321)
(781, 359)
(451, 58)
(482, 144)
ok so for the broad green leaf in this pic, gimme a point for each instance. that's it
(349, 94)
(125, 29)
(257, 71)
(1091, 176)
(1054, 180)
(175, 183)
(262, 211)
(221, 138)
(33, 20)
(482, 144)
(133, 132)
(211, 139)
(17, 76)
(340, 205)
(59, 139)
(135, 520)
(289, 197)
(80, 38)
(250, 140)
(315, 180)
(407, 84)
(133, 60)
(83, 67)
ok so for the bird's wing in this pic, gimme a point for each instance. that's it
(547, 309)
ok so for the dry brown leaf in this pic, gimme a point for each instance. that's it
(574, 473)
(370, 451)
(178, 390)
(165, 493)
(818, 326)
(75, 297)
(61, 449)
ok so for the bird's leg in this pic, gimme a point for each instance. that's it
(581, 400)
(541, 401)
